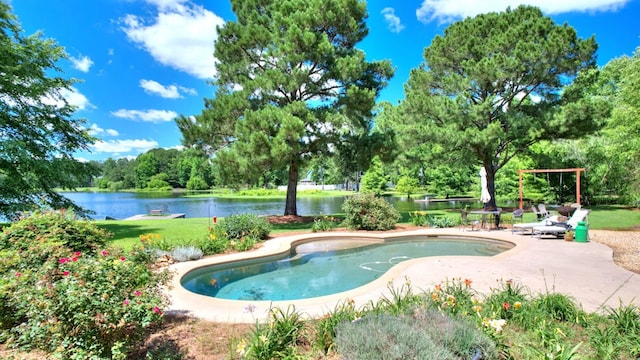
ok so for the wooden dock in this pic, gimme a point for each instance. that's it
(156, 217)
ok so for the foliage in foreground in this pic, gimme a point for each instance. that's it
(368, 212)
(38, 139)
(71, 296)
(450, 321)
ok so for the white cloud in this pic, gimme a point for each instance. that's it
(393, 21)
(168, 92)
(72, 96)
(124, 146)
(450, 10)
(83, 63)
(77, 99)
(154, 116)
(182, 36)
(95, 130)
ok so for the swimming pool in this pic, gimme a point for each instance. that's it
(325, 266)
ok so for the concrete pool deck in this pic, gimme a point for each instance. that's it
(584, 271)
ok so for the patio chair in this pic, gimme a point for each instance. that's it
(516, 215)
(522, 227)
(559, 228)
(535, 210)
(467, 221)
(543, 211)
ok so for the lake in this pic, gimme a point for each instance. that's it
(121, 205)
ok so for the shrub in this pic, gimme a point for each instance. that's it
(435, 221)
(75, 304)
(422, 335)
(186, 253)
(244, 243)
(216, 243)
(241, 225)
(324, 223)
(368, 212)
(53, 227)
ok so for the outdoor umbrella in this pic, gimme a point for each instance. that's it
(485, 197)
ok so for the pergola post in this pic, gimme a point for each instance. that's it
(577, 171)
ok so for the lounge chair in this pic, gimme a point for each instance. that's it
(558, 228)
(544, 213)
(535, 210)
(529, 226)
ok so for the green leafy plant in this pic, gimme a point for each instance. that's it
(326, 327)
(418, 218)
(368, 212)
(241, 225)
(324, 223)
(455, 297)
(278, 338)
(435, 221)
(75, 304)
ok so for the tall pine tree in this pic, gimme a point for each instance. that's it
(289, 81)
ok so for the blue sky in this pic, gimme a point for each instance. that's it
(143, 62)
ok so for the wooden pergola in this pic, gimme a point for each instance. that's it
(576, 170)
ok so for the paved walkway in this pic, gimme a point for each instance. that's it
(584, 271)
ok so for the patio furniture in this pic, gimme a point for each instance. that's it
(558, 228)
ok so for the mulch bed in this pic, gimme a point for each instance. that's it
(289, 219)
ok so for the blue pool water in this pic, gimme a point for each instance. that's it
(324, 267)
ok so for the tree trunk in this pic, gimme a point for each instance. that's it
(292, 189)
(491, 186)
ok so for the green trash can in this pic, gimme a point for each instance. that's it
(582, 232)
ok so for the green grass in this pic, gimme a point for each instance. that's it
(127, 232)
(612, 217)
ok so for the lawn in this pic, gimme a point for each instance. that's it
(181, 231)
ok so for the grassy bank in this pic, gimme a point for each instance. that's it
(179, 231)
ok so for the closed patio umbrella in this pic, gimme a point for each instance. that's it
(485, 197)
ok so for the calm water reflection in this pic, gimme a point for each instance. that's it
(120, 205)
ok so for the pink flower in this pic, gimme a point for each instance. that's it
(77, 254)
(104, 252)
(157, 310)
(63, 260)
(65, 273)
(122, 258)
(18, 274)
(126, 302)
(137, 293)
(506, 305)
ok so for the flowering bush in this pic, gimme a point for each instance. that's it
(238, 232)
(241, 225)
(368, 212)
(75, 304)
(324, 223)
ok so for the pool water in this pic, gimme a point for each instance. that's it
(325, 267)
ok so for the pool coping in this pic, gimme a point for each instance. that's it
(584, 271)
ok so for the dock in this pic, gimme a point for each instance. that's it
(156, 217)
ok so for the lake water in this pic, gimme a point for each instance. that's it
(121, 205)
